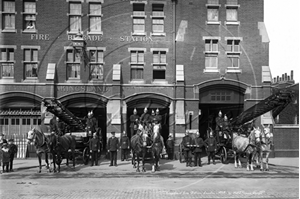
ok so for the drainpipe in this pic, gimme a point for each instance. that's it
(174, 64)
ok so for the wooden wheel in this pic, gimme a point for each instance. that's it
(86, 155)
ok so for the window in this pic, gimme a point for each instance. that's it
(213, 12)
(159, 64)
(7, 62)
(75, 17)
(31, 62)
(211, 45)
(232, 12)
(234, 62)
(158, 19)
(211, 54)
(73, 64)
(8, 16)
(29, 16)
(138, 18)
(137, 64)
(96, 64)
(233, 53)
(95, 14)
(220, 96)
(233, 46)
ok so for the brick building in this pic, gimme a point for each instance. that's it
(188, 58)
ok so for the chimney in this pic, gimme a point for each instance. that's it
(282, 77)
(285, 77)
(292, 75)
(288, 78)
(278, 79)
(274, 81)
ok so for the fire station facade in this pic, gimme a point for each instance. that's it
(189, 59)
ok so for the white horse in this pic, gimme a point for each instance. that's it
(245, 145)
(266, 144)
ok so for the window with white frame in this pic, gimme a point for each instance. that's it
(95, 17)
(8, 15)
(7, 62)
(31, 62)
(211, 53)
(73, 64)
(233, 45)
(137, 62)
(232, 12)
(159, 64)
(233, 52)
(29, 16)
(96, 64)
(138, 18)
(75, 16)
(213, 11)
(158, 18)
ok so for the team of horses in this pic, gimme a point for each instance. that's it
(148, 143)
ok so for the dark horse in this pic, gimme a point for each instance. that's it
(140, 145)
(40, 142)
(60, 147)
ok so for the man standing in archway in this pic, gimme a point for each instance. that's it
(133, 122)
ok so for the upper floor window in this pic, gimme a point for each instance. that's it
(232, 12)
(96, 64)
(7, 62)
(233, 45)
(159, 64)
(211, 54)
(158, 19)
(137, 62)
(73, 64)
(213, 12)
(233, 53)
(75, 17)
(138, 18)
(29, 16)
(8, 16)
(95, 15)
(30, 62)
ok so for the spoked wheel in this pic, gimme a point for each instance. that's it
(223, 155)
(86, 155)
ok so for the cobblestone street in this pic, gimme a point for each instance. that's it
(178, 181)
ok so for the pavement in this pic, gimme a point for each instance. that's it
(279, 168)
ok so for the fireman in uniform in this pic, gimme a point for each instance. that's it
(198, 144)
(219, 126)
(124, 142)
(91, 124)
(134, 119)
(145, 117)
(211, 147)
(186, 143)
(226, 130)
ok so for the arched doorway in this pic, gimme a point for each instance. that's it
(82, 103)
(19, 112)
(225, 96)
(152, 102)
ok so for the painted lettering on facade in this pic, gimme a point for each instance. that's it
(27, 88)
(87, 37)
(40, 37)
(92, 89)
(136, 39)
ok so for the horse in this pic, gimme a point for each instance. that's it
(139, 145)
(265, 147)
(156, 148)
(40, 142)
(245, 145)
(59, 147)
